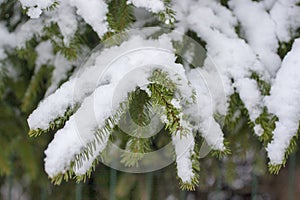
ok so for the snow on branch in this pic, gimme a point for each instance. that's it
(94, 13)
(255, 22)
(35, 8)
(284, 102)
(234, 58)
(151, 5)
(243, 40)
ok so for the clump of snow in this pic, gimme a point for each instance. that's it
(151, 5)
(26, 31)
(268, 4)
(284, 102)
(94, 13)
(259, 30)
(61, 68)
(184, 148)
(175, 103)
(44, 54)
(35, 8)
(66, 20)
(203, 115)
(286, 15)
(8, 41)
(233, 57)
(79, 131)
(250, 94)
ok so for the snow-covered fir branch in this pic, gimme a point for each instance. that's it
(252, 57)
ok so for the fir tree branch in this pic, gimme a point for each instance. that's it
(220, 154)
(162, 93)
(88, 152)
(135, 151)
(70, 50)
(267, 122)
(191, 186)
(274, 169)
(120, 15)
(57, 123)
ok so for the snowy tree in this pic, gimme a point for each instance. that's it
(249, 69)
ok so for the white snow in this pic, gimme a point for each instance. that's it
(184, 147)
(44, 54)
(284, 102)
(27, 30)
(259, 30)
(8, 41)
(151, 5)
(268, 4)
(202, 113)
(250, 94)
(66, 20)
(232, 56)
(94, 13)
(286, 16)
(61, 68)
(36, 7)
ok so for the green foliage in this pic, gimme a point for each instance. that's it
(140, 107)
(53, 6)
(267, 122)
(38, 84)
(8, 9)
(264, 86)
(17, 150)
(162, 93)
(168, 15)
(69, 50)
(120, 15)
(224, 3)
(28, 52)
(190, 186)
(274, 169)
(5, 168)
(220, 154)
(135, 150)
(234, 112)
(293, 145)
(139, 114)
(1, 82)
(285, 47)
